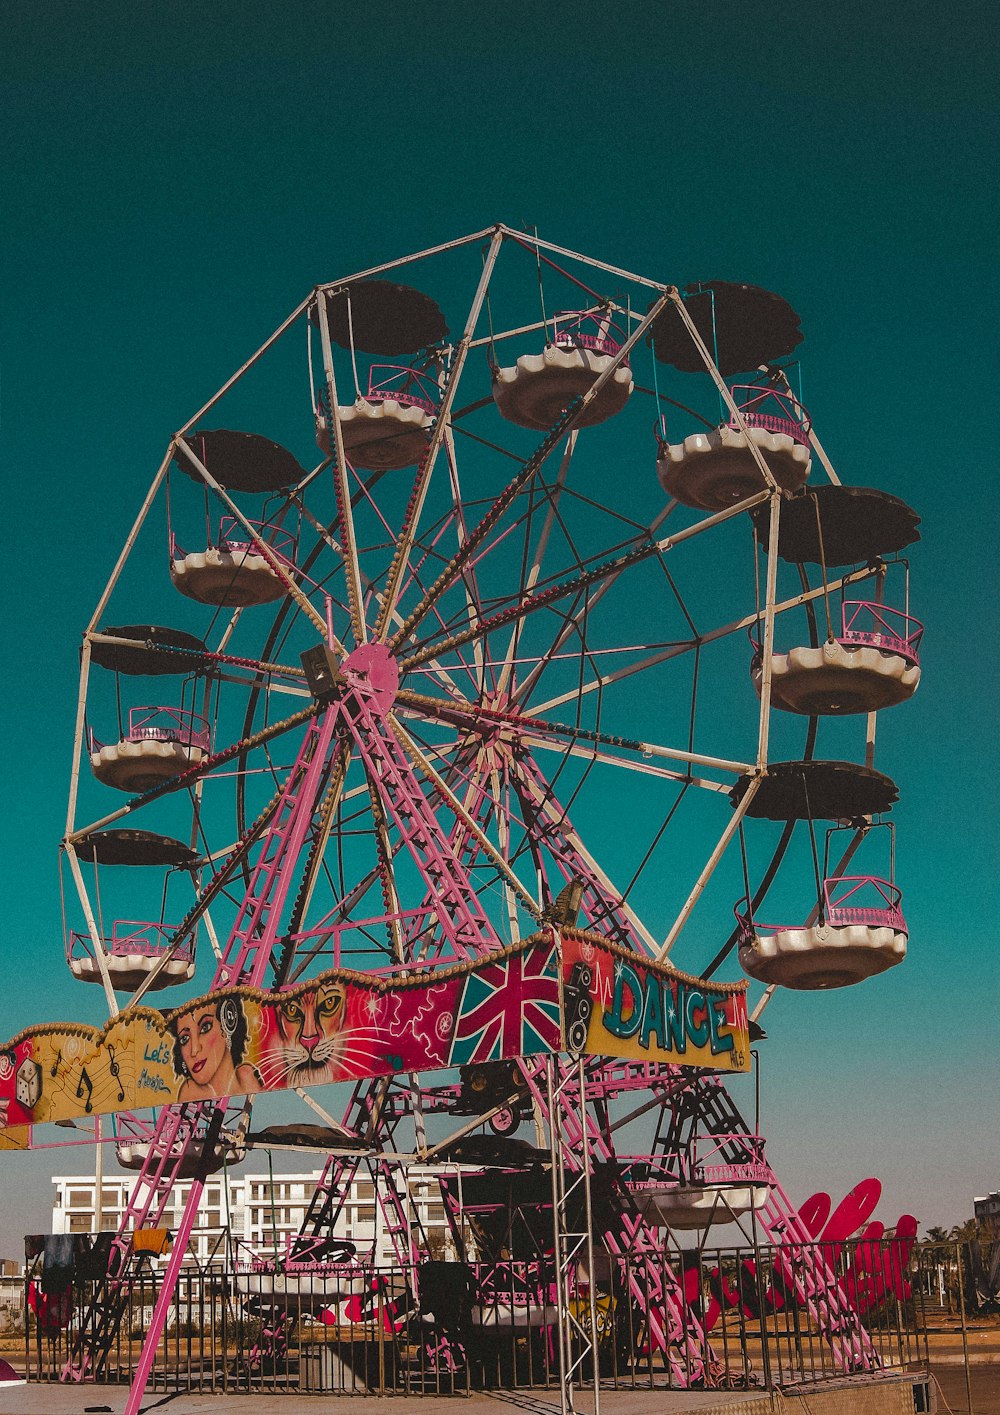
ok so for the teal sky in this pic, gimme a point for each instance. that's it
(176, 178)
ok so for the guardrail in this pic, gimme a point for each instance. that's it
(405, 386)
(481, 1326)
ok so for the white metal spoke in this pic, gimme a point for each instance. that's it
(555, 818)
(595, 754)
(352, 569)
(676, 650)
(472, 600)
(540, 549)
(408, 533)
(527, 686)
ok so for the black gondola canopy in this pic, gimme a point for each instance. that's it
(384, 318)
(239, 461)
(134, 847)
(817, 790)
(304, 1136)
(752, 327)
(155, 650)
(859, 524)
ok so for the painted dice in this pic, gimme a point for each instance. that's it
(28, 1085)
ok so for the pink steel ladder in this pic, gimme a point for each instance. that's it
(179, 1128)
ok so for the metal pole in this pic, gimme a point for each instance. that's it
(844, 861)
(965, 1329)
(767, 648)
(352, 570)
(814, 441)
(581, 1076)
(567, 420)
(274, 564)
(675, 650)
(397, 570)
(709, 869)
(532, 241)
(455, 806)
(409, 259)
(724, 392)
(524, 773)
(78, 746)
(130, 542)
(273, 339)
(169, 1283)
(95, 935)
(555, 1160)
(98, 1176)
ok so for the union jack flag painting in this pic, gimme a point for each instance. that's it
(509, 1008)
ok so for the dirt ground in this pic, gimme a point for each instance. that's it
(944, 1341)
(953, 1395)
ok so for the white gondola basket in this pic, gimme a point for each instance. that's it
(696, 1206)
(308, 1287)
(836, 679)
(226, 576)
(130, 970)
(712, 470)
(536, 391)
(846, 945)
(380, 435)
(134, 766)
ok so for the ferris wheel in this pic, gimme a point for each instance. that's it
(498, 618)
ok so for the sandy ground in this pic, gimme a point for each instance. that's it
(953, 1395)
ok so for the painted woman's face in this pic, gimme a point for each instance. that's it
(203, 1045)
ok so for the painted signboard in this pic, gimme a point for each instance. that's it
(618, 1004)
(542, 995)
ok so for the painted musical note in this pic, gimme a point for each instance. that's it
(55, 1064)
(85, 1081)
(116, 1071)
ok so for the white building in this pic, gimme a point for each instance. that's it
(258, 1212)
(987, 1208)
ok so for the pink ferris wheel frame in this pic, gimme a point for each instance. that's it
(420, 706)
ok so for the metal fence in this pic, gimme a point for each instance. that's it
(474, 1326)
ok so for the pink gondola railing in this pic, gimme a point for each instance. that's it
(651, 1172)
(882, 912)
(233, 539)
(570, 332)
(869, 624)
(163, 724)
(772, 410)
(404, 386)
(150, 940)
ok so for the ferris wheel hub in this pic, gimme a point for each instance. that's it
(371, 670)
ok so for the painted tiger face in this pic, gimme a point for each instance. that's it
(310, 1037)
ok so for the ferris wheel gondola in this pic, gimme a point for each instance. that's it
(536, 390)
(856, 929)
(133, 953)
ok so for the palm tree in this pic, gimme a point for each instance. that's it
(964, 1232)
